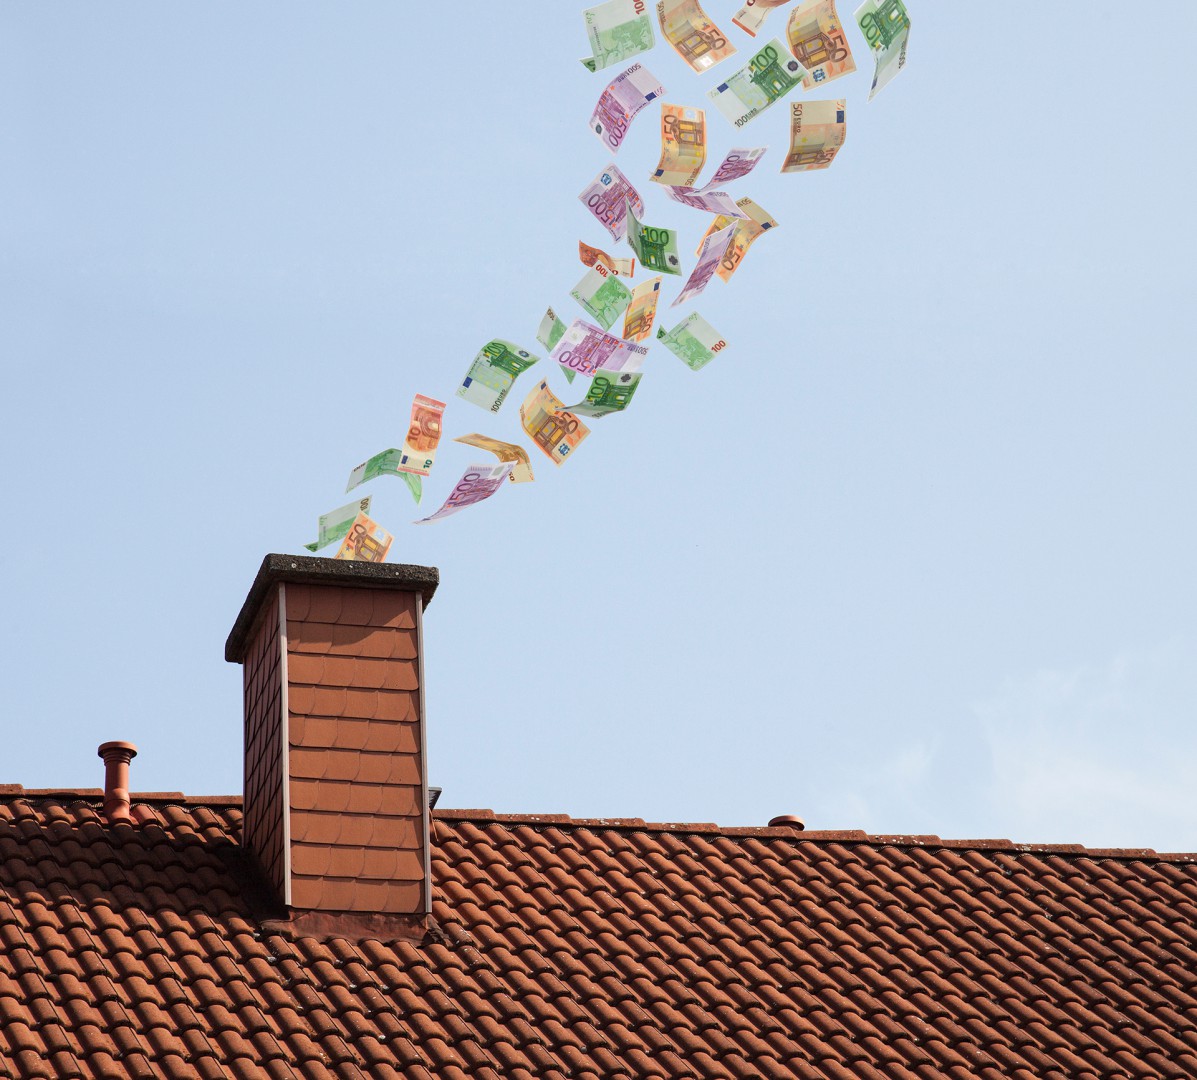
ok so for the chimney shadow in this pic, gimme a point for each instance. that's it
(141, 866)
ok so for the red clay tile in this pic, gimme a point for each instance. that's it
(814, 922)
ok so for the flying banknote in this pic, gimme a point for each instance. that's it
(694, 341)
(886, 28)
(691, 32)
(478, 482)
(769, 76)
(609, 393)
(366, 541)
(521, 472)
(621, 101)
(493, 372)
(656, 248)
(335, 524)
(604, 297)
(607, 197)
(592, 255)
(617, 29)
(817, 131)
(550, 425)
(423, 434)
(585, 348)
(817, 42)
(683, 145)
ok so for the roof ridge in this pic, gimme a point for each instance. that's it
(82, 794)
(838, 836)
(699, 828)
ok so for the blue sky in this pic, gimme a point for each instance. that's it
(914, 554)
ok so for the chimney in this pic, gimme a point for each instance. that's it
(117, 756)
(336, 784)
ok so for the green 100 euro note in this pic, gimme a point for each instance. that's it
(617, 29)
(655, 248)
(335, 524)
(770, 75)
(384, 463)
(493, 373)
(604, 297)
(886, 27)
(609, 392)
(694, 341)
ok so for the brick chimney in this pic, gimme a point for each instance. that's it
(336, 784)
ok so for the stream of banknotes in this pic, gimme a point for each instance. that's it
(608, 348)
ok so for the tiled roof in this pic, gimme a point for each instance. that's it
(569, 949)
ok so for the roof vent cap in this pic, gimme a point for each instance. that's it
(117, 756)
(787, 821)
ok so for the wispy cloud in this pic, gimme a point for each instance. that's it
(1102, 754)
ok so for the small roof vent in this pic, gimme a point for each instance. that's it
(783, 821)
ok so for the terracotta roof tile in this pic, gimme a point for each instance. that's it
(598, 948)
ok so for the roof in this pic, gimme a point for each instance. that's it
(576, 948)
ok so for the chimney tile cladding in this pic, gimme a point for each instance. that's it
(353, 678)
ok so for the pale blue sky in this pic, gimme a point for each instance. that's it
(915, 554)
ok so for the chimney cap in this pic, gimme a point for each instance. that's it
(307, 568)
(115, 748)
(787, 821)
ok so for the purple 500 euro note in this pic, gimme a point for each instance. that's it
(606, 198)
(621, 101)
(585, 348)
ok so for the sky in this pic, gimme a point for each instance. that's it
(914, 554)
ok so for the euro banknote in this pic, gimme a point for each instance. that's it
(591, 256)
(621, 101)
(638, 319)
(384, 463)
(602, 295)
(817, 131)
(423, 434)
(415, 484)
(607, 196)
(683, 145)
(493, 372)
(710, 254)
(550, 425)
(585, 348)
(609, 392)
(550, 332)
(335, 524)
(738, 163)
(751, 17)
(521, 472)
(759, 220)
(768, 77)
(886, 27)
(691, 32)
(551, 329)
(710, 202)
(655, 248)
(365, 541)
(818, 43)
(478, 482)
(694, 341)
(617, 29)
